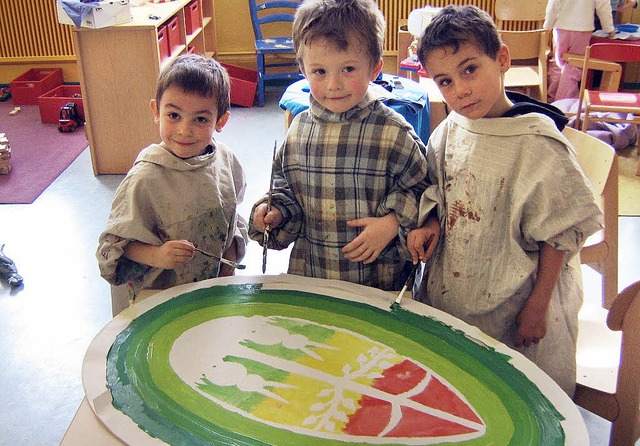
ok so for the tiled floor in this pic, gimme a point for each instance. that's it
(46, 326)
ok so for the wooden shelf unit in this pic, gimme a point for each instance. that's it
(118, 68)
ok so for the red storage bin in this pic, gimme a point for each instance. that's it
(243, 85)
(163, 43)
(192, 17)
(26, 88)
(173, 32)
(51, 102)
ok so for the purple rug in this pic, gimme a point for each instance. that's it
(39, 153)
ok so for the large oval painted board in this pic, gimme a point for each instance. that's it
(287, 360)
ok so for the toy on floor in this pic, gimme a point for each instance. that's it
(8, 270)
(5, 93)
(70, 119)
(5, 155)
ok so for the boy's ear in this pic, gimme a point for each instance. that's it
(222, 121)
(154, 108)
(504, 58)
(377, 69)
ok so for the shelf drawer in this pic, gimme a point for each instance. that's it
(192, 17)
(163, 43)
(173, 33)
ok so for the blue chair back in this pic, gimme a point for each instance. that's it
(270, 11)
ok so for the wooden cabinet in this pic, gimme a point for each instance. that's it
(118, 68)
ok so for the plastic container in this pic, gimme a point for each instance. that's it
(192, 17)
(26, 88)
(173, 33)
(50, 102)
(163, 43)
(243, 85)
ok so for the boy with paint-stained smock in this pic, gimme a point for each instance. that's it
(511, 199)
(180, 194)
(348, 176)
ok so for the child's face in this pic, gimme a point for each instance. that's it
(187, 121)
(338, 79)
(471, 82)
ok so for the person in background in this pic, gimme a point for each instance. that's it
(349, 173)
(511, 199)
(180, 194)
(572, 22)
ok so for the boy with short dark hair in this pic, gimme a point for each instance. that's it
(180, 194)
(512, 201)
(349, 173)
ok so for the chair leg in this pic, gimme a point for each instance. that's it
(260, 79)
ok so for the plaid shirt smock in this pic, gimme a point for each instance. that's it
(332, 168)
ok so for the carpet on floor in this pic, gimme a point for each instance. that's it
(39, 153)
(628, 183)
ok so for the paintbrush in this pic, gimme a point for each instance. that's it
(265, 235)
(410, 279)
(222, 259)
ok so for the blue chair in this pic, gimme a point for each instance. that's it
(270, 17)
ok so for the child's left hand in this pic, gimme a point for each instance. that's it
(376, 235)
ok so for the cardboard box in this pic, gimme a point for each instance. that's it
(50, 102)
(26, 88)
(243, 85)
(104, 13)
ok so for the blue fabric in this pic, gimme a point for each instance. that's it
(411, 101)
(77, 10)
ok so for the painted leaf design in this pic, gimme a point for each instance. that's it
(320, 380)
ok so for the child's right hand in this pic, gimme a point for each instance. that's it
(173, 253)
(262, 218)
(166, 256)
(426, 236)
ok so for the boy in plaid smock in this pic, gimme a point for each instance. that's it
(347, 178)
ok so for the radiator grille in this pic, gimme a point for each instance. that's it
(397, 10)
(30, 29)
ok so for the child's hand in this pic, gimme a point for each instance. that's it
(173, 253)
(376, 235)
(261, 218)
(532, 326)
(426, 236)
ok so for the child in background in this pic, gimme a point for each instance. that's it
(572, 22)
(349, 173)
(180, 194)
(513, 203)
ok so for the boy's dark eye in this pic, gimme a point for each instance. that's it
(349, 69)
(173, 115)
(471, 69)
(320, 71)
(201, 120)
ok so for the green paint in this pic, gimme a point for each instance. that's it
(145, 387)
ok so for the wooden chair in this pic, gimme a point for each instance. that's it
(272, 21)
(610, 104)
(608, 364)
(526, 46)
(520, 24)
(532, 11)
(599, 162)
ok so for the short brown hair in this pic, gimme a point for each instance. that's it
(337, 21)
(197, 74)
